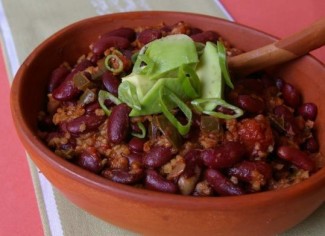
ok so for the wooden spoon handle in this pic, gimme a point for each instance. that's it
(280, 51)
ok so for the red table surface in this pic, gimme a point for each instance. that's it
(19, 214)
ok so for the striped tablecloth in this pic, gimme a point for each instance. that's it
(25, 24)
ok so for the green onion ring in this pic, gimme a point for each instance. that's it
(197, 104)
(102, 96)
(165, 95)
(118, 60)
(143, 131)
(223, 64)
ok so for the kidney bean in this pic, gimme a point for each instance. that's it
(296, 157)
(66, 90)
(57, 77)
(157, 156)
(290, 95)
(136, 144)
(192, 160)
(283, 111)
(289, 122)
(124, 177)
(245, 170)
(156, 182)
(311, 145)
(82, 65)
(308, 111)
(118, 123)
(90, 160)
(223, 156)
(221, 184)
(224, 110)
(104, 43)
(205, 36)
(91, 107)
(251, 104)
(123, 32)
(111, 83)
(85, 123)
(148, 35)
(195, 30)
(135, 157)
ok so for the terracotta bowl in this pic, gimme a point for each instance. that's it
(151, 212)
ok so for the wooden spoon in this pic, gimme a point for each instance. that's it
(281, 51)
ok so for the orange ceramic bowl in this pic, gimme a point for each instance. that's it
(151, 212)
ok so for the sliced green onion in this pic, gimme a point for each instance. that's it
(127, 93)
(104, 95)
(143, 65)
(199, 48)
(192, 89)
(223, 64)
(116, 59)
(143, 131)
(134, 57)
(167, 98)
(198, 105)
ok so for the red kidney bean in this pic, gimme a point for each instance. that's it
(283, 111)
(135, 157)
(251, 104)
(90, 160)
(251, 86)
(124, 177)
(66, 90)
(156, 182)
(308, 111)
(221, 184)
(148, 35)
(245, 170)
(205, 36)
(311, 145)
(57, 77)
(105, 43)
(192, 160)
(82, 65)
(290, 124)
(296, 157)
(224, 110)
(91, 107)
(111, 83)
(118, 123)
(85, 123)
(290, 95)
(123, 32)
(136, 144)
(157, 156)
(223, 156)
(194, 31)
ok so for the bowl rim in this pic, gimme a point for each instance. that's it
(32, 142)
